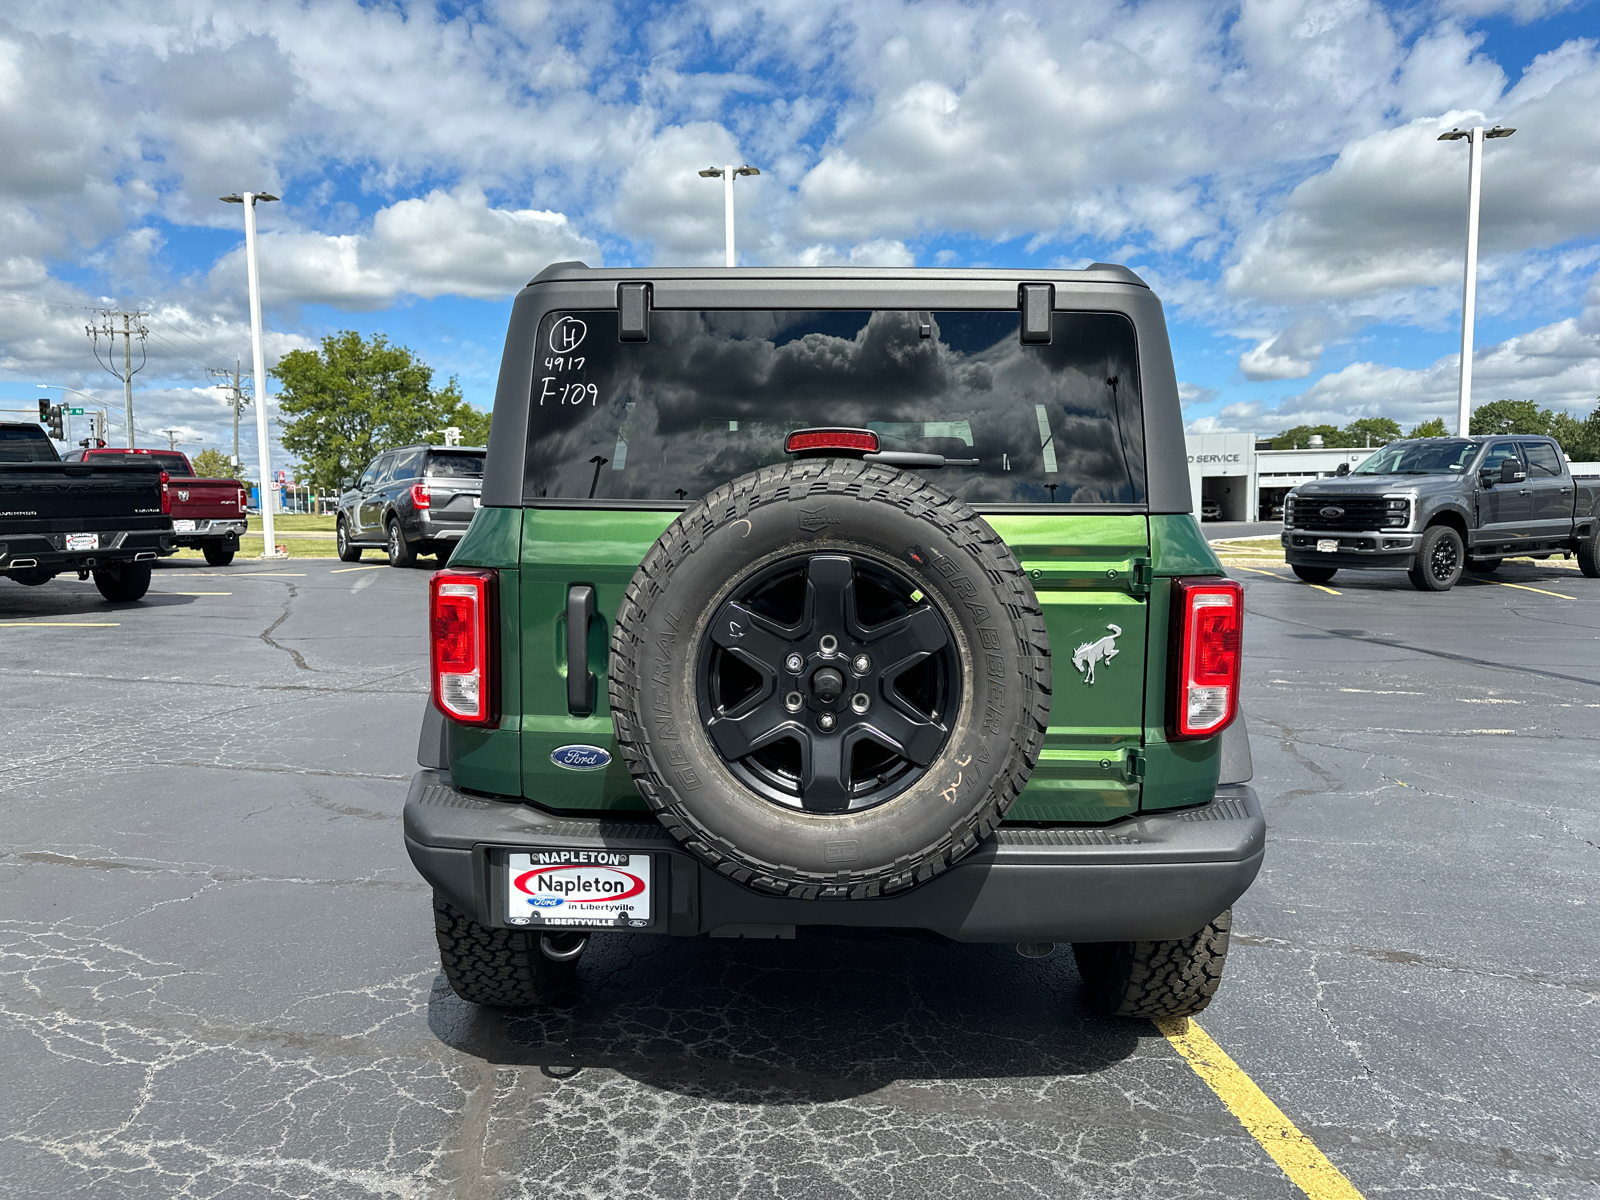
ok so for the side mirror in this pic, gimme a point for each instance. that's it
(348, 484)
(1510, 471)
(1344, 469)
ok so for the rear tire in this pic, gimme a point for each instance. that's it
(1589, 553)
(341, 540)
(499, 968)
(122, 583)
(1314, 574)
(218, 554)
(1155, 979)
(401, 552)
(1440, 558)
(31, 576)
(1483, 566)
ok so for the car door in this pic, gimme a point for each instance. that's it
(407, 469)
(1502, 507)
(1550, 491)
(369, 504)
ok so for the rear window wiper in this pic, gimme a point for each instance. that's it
(909, 458)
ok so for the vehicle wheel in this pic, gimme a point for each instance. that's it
(31, 576)
(1440, 557)
(123, 582)
(830, 679)
(1589, 553)
(1483, 566)
(401, 553)
(1314, 574)
(502, 968)
(218, 554)
(341, 541)
(1155, 979)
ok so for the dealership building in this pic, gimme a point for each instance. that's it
(1248, 479)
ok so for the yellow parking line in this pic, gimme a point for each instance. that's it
(1526, 588)
(1306, 1166)
(1275, 575)
(60, 624)
(369, 567)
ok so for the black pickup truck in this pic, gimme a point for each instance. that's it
(111, 521)
(1436, 506)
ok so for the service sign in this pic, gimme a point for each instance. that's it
(578, 887)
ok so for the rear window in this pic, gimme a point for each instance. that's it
(455, 466)
(21, 444)
(712, 395)
(172, 464)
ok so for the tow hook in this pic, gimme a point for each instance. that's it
(563, 947)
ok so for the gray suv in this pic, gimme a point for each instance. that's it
(409, 501)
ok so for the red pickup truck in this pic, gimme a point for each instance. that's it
(207, 513)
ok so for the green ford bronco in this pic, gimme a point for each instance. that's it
(836, 597)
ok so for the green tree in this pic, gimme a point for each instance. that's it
(355, 398)
(1511, 416)
(1572, 435)
(1375, 431)
(1299, 437)
(214, 464)
(1432, 427)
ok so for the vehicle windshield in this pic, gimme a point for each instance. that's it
(21, 445)
(1442, 456)
(712, 395)
(455, 466)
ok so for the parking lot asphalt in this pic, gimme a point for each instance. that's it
(217, 973)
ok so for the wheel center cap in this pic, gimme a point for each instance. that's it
(828, 684)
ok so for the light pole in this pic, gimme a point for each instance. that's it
(1469, 288)
(66, 413)
(269, 548)
(726, 174)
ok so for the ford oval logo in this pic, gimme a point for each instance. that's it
(580, 758)
(1330, 512)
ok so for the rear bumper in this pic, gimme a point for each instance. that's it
(1151, 877)
(48, 550)
(210, 531)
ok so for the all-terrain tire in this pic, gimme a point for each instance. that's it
(1155, 979)
(218, 554)
(123, 582)
(1314, 574)
(1589, 553)
(341, 540)
(1440, 559)
(871, 512)
(500, 968)
(401, 552)
(1483, 566)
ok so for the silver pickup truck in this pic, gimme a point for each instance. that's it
(1438, 506)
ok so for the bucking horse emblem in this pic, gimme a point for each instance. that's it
(1090, 654)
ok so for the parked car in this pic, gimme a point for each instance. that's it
(784, 609)
(1438, 506)
(206, 513)
(1210, 510)
(106, 520)
(412, 500)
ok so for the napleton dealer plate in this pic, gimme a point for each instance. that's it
(578, 888)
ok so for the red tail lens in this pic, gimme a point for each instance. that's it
(420, 496)
(812, 441)
(166, 496)
(244, 500)
(461, 627)
(1208, 624)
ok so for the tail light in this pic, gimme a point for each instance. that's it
(166, 496)
(461, 628)
(244, 501)
(420, 496)
(1207, 628)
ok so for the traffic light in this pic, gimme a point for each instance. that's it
(50, 416)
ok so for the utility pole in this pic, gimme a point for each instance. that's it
(236, 399)
(726, 174)
(172, 438)
(132, 326)
(269, 549)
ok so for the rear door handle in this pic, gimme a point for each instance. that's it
(580, 680)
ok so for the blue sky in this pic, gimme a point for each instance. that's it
(1271, 168)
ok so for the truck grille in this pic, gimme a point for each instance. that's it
(1354, 512)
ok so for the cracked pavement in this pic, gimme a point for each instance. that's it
(218, 979)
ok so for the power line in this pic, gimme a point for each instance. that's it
(132, 324)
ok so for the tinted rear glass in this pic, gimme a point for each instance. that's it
(713, 394)
(172, 464)
(455, 466)
(26, 445)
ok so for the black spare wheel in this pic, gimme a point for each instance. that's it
(830, 679)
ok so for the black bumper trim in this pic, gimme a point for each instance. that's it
(1151, 877)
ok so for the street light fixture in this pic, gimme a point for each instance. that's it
(727, 174)
(269, 547)
(1469, 288)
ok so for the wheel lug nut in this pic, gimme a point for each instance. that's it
(826, 721)
(794, 701)
(861, 664)
(861, 702)
(793, 664)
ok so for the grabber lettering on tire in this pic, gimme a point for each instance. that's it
(830, 679)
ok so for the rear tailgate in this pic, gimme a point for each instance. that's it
(54, 498)
(205, 499)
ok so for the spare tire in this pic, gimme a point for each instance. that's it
(830, 679)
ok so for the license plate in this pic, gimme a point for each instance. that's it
(1327, 545)
(83, 541)
(183, 526)
(578, 888)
